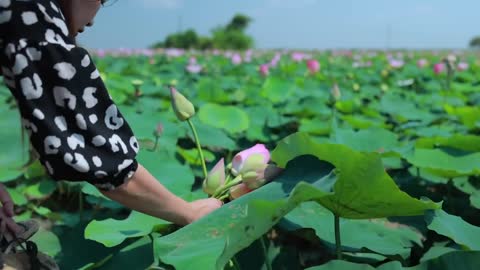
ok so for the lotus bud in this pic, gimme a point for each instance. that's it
(182, 107)
(336, 94)
(159, 130)
(215, 178)
(238, 191)
(259, 179)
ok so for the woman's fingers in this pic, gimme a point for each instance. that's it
(7, 223)
(6, 201)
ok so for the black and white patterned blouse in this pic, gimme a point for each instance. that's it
(72, 122)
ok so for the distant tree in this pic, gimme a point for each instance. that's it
(185, 40)
(231, 39)
(475, 43)
(239, 23)
(231, 36)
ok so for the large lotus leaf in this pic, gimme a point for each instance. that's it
(469, 143)
(258, 118)
(277, 89)
(144, 125)
(111, 232)
(436, 251)
(404, 109)
(138, 255)
(11, 157)
(363, 189)
(460, 231)
(211, 137)
(315, 126)
(362, 122)
(177, 177)
(380, 235)
(368, 140)
(451, 261)
(211, 241)
(475, 200)
(230, 118)
(469, 116)
(47, 242)
(441, 163)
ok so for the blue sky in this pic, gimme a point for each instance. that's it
(294, 23)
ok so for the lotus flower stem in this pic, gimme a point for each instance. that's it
(234, 182)
(265, 253)
(338, 243)
(234, 263)
(199, 147)
(156, 143)
(224, 197)
(80, 204)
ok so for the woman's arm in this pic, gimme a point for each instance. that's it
(143, 193)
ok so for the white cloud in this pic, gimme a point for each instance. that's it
(164, 4)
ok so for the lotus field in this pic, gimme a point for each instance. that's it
(324, 160)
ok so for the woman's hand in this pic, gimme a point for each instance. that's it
(6, 213)
(203, 207)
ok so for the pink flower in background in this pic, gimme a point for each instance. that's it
(264, 70)
(248, 56)
(298, 56)
(101, 53)
(275, 60)
(159, 130)
(313, 66)
(193, 67)
(396, 63)
(438, 68)
(147, 52)
(421, 63)
(462, 66)
(174, 52)
(236, 59)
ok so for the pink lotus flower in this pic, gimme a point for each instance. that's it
(252, 158)
(396, 63)
(462, 66)
(264, 70)
(421, 63)
(159, 130)
(193, 67)
(101, 53)
(215, 178)
(236, 59)
(313, 66)
(438, 68)
(298, 56)
(248, 56)
(174, 52)
(275, 60)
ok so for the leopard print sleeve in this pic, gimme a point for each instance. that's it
(72, 121)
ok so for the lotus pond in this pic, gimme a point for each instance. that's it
(380, 154)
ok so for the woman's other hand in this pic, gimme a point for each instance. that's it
(7, 213)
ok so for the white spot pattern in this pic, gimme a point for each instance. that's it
(69, 127)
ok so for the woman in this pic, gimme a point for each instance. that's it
(72, 122)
